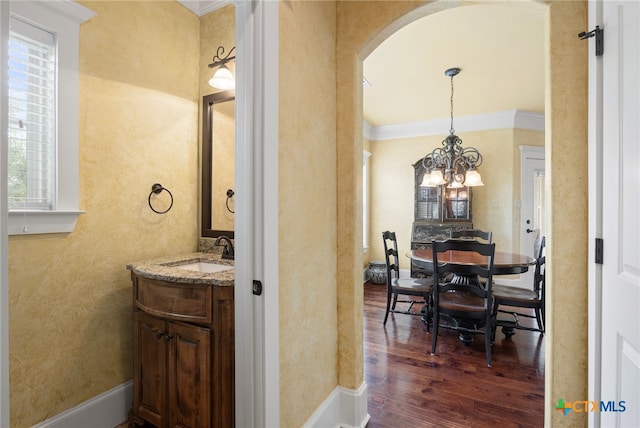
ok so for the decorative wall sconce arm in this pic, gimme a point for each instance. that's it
(222, 78)
(218, 60)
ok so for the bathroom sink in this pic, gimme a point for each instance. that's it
(205, 267)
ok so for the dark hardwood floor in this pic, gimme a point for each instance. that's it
(408, 387)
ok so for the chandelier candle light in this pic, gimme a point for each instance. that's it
(452, 164)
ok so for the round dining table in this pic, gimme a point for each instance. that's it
(504, 263)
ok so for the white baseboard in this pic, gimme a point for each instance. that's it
(106, 410)
(344, 408)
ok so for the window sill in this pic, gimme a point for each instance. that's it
(41, 222)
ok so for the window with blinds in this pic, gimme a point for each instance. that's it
(32, 121)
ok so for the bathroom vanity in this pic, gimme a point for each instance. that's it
(183, 342)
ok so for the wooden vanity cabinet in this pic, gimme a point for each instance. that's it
(183, 354)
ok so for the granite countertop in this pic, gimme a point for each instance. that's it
(165, 269)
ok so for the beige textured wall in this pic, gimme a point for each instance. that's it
(392, 199)
(70, 294)
(566, 189)
(361, 27)
(358, 23)
(217, 28)
(307, 209)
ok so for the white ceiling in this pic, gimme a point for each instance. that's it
(500, 50)
(202, 7)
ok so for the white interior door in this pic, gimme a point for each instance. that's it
(532, 204)
(620, 337)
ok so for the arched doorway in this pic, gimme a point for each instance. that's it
(566, 123)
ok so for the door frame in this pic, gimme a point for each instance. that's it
(257, 393)
(595, 186)
(4, 237)
(528, 154)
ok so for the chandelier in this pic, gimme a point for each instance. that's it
(452, 164)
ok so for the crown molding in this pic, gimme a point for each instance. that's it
(69, 9)
(203, 7)
(509, 119)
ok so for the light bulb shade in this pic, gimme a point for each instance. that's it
(473, 179)
(455, 184)
(437, 178)
(223, 79)
(426, 181)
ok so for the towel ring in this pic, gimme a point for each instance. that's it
(158, 188)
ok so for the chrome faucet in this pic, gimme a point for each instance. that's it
(227, 252)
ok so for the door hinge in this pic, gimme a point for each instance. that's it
(257, 287)
(599, 35)
(599, 251)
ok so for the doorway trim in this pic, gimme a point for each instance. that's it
(595, 148)
(4, 239)
(529, 156)
(257, 393)
(563, 366)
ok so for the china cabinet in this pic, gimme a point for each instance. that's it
(438, 210)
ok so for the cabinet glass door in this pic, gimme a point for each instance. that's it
(428, 203)
(457, 204)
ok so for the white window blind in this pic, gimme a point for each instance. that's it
(32, 121)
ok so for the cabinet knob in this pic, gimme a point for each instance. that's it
(159, 334)
(167, 337)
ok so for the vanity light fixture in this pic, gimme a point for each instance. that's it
(222, 78)
(452, 164)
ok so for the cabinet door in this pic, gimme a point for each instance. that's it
(189, 367)
(457, 204)
(150, 362)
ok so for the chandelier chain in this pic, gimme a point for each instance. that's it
(451, 130)
(452, 164)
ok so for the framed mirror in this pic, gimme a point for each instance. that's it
(218, 164)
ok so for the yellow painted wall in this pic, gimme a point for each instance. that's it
(307, 208)
(217, 28)
(70, 294)
(392, 186)
(566, 193)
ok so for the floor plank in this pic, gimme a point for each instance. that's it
(407, 386)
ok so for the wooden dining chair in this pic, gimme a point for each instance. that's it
(465, 308)
(506, 298)
(472, 233)
(415, 291)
